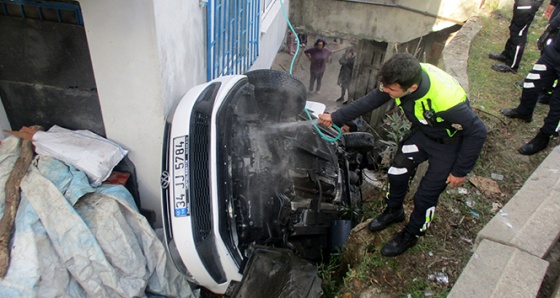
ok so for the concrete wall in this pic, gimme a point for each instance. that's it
(46, 76)
(145, 57)
(273, 32)
(383, 21)
(181, 41)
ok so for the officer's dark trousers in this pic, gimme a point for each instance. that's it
(415, 150)
(543, 74)
(523, 14)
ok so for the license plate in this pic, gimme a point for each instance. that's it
(180, 177)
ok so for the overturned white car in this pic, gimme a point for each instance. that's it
(244, 167)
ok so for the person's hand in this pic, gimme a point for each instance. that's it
(548, 11)
(325, 120)
(454, 181)
(345, 128)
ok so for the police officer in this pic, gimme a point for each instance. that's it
(444, 131)
(545, 71)
(523, 14)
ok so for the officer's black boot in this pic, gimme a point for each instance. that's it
(498, 57)
(401, 241)
(538, 143)
(514, 113)
(389, 216)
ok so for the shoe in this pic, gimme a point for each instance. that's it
(544, 99)
(402, 241)
(389, 216)
(513, 113)
(503, 68)
(318, 92)
(538, 143)
(340, 99)
(498, 57)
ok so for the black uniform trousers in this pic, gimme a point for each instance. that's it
(545, 71)
(523, 14)
(415, 150)
(554, 13)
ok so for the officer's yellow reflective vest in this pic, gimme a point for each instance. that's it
(444, 93)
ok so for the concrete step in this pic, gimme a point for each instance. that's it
(530, 221)
(497, 270)
(511, 251)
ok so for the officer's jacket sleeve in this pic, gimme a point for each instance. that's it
(367, 103)
(473, 133)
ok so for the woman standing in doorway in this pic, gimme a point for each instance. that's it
(345, 74)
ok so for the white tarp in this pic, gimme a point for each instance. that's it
(94, 155)
(72, 240)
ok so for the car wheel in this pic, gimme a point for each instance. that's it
(359, 141)
(279, 95)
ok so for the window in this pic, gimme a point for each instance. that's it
(62, 12)
(233, 36)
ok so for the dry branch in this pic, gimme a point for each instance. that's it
(12, 192)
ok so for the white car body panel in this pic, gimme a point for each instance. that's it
(184, 238)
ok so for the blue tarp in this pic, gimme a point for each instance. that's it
(73, 240)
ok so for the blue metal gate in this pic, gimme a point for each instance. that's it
(233, 36)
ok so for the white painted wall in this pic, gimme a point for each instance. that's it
(181, 37)
(124, 53)
(273, 34)
(145, 56)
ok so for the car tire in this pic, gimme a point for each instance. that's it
(359, 141)
(280, 96)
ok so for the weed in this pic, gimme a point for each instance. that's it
(350, 212)
(397, 127)
(329, 272)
